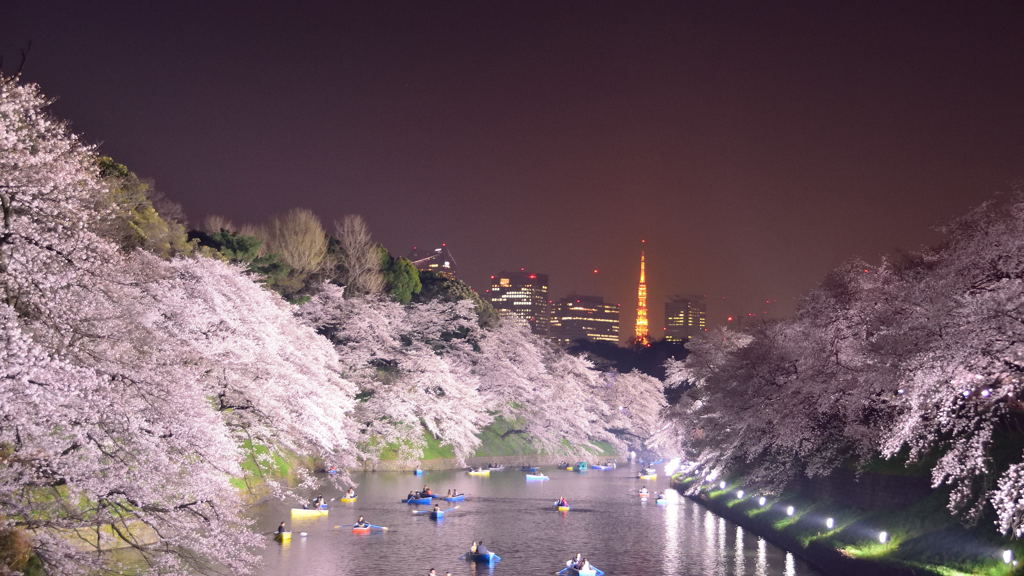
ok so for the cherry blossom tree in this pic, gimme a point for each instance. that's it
(130, 383)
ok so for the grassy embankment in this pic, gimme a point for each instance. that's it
(494, 443)
(922, 537)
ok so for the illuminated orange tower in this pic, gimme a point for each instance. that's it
(642, 335)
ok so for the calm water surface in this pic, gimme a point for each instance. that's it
(608, 524)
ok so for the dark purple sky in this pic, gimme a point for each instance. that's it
(754, 145)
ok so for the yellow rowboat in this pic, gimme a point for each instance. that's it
(307, 513)
(283, 537)
(479, 472)
(563, 508)
(352, 499)
(648, 476)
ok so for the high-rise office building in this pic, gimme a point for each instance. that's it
(685, 317)
(522, 295)
(438, 260)
(578, 317)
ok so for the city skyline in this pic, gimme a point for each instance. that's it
(751, 148)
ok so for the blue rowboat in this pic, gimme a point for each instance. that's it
(424, 500)
(570, 571)
(456, 498)
(437, 514)
(536, 477)
(417, 472)
(489, 558)
(601, 467)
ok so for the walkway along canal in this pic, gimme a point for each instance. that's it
(608, 524)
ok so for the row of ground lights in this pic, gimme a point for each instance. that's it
(830, 523)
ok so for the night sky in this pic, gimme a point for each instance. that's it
(754, 145)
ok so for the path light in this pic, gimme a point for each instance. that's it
(790, 510)
(830, 523)
(721, 485)
(739, 494)
(761, 501)
(1007, 556)
(883, 537)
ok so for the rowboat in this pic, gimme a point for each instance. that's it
(497, 468)
(424, 500)
(283, 537)
(357, 529)
(562, 508)
(349, 500)
(570, 571)
(602, 467)
(648, 476)
(489, 558)
(538, 477)
(309, 512)
(480, 472)
(456, 498)
(417, 472)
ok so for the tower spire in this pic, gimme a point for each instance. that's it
(642, 335)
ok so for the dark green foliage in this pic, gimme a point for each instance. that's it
(401, 278)
(137, 223)
(235, 247)
(647, 359)
(447, 289)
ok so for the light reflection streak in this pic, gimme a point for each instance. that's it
(790, 565)
(671, 556)
(761, 568)
(722, 537)
(741, 565)
(709, 544)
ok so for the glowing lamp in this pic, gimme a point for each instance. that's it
(739, 493)
(1008, 556)
(761, 501)
(721, 485)
(883, 537)
(790, 510)
(830, 523)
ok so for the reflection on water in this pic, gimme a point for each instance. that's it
(609, 524)
(741, 552)
(762, 558)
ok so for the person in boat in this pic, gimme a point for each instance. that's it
(575, 562)
(318, 502)
(437, 508)
(585, 566)
(481, 549)
(562, 501)
(361, 523)
(427, 491)
(473, 547)
(281, 528)
(432, 572)
(448, 494)
(351, 493)
(643, 489)
(412, 495)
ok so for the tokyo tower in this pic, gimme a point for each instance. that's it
(642, 337)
